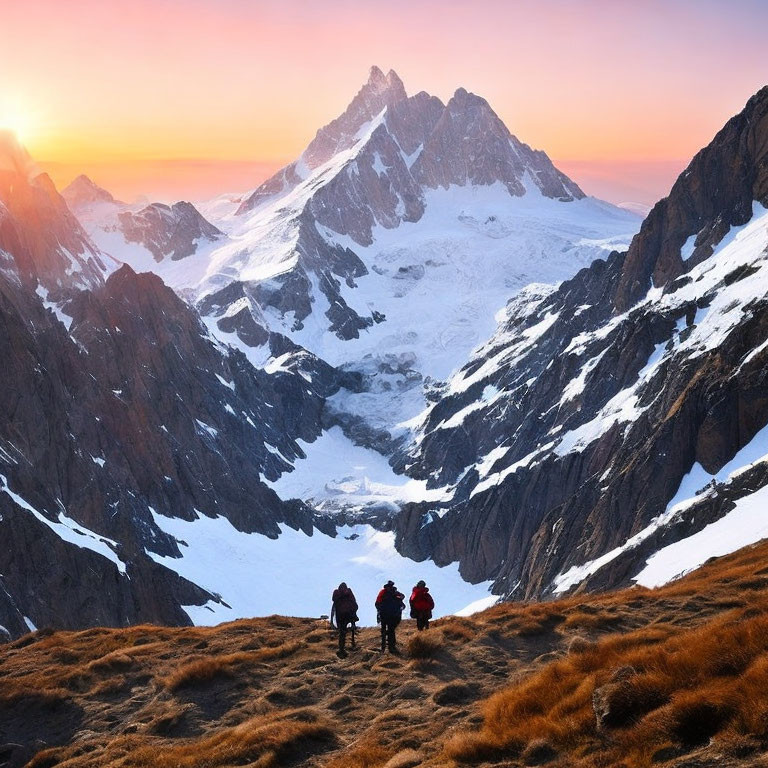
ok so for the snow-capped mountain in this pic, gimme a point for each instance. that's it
(136, 450)
(50, 248)
(615, 428)
(395, 194)
(174, 241)
(386, 249)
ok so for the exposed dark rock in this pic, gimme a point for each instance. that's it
(168, 230)
(549, 474)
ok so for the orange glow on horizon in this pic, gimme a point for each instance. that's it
(133, 84)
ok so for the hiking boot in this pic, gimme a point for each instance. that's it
(341, 653)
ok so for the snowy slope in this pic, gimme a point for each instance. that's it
(388, 249)
(742, 251)
(606, 418)
(175, 242)
(295, 574)
(736, 529)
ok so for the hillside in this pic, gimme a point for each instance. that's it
(678, 676)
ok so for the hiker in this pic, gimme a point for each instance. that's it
(344, 609)
(390, 605)
(422, 605)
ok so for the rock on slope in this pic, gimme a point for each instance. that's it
(614, 427)
(168, 230)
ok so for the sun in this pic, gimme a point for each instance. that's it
(17, 121)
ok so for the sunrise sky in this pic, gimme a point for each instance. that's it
(188, 98)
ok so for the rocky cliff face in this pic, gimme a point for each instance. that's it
(172, 231)
(620, 414)
(49, 246)
(118, 409)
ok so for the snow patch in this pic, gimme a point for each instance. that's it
(70, 530)
(337, 472)
(309, 568)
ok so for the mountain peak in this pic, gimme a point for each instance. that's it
(83, 191)
(381, 83)
(379, 91)
(463, 99)
(375, 75)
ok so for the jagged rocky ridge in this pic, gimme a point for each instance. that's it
(118, 407)
(168, 230)
(624, 410)
(385, 250)
(48, 245)
(370, 167)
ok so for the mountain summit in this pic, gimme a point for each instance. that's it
(83, 192)
(461, 142)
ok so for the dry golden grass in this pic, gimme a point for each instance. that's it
(681, 674)
(424, 645)
(207, 668)
(365, 755)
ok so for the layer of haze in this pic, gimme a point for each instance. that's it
(189, 98)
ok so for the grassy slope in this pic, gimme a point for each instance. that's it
(681, 675)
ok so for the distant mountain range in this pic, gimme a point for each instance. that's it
(418, 345)
(386, 249)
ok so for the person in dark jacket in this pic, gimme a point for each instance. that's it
(422, 605)
(390, 605)
(344, 610)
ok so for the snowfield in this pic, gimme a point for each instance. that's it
(337, 472)
(441, 283)
(296, 574)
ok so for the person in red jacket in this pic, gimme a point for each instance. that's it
(422, 605)
(344, 610)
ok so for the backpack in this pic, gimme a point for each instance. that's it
(345, 603)
(421, 602)
(391, 604)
